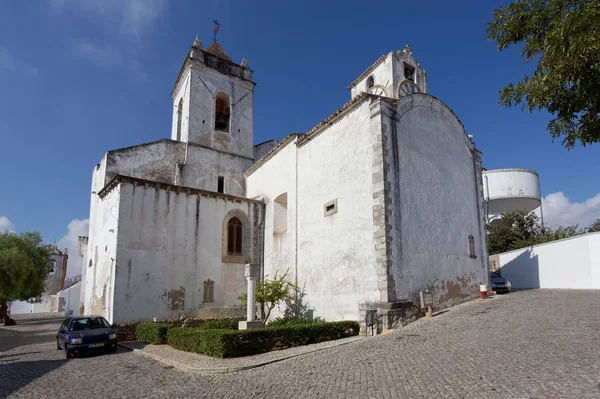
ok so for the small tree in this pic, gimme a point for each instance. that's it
(24, 266)
(295, 307)
(270, 293)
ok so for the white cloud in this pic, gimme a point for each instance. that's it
(560, 211)
(6, 224)
(98, 55)
(76, 228)
(9, 62)
(131, 17)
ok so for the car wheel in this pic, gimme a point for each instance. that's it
(58, 345)
(67, 354)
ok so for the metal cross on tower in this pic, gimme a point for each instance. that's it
(216, 22)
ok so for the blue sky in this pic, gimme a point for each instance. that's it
(81, 77)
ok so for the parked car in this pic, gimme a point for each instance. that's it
(499, 283)
(86, 334)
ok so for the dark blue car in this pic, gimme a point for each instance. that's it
(499, 283)
(86, 334)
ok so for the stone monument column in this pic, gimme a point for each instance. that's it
(252, 274)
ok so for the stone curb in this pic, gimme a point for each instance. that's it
(225, 370)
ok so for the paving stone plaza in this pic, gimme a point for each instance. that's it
(527, 344)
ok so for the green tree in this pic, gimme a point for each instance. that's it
(595, 226)
(295, 305)
(24, 266)
(563, 36)
(270, 293)
(521, 229)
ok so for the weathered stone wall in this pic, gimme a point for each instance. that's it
(437, 203)
(170, 242)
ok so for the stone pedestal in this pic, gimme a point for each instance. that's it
(250, 325)
(252, 274)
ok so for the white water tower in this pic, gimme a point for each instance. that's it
(509, 190)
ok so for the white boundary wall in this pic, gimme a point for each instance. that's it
(569, 263)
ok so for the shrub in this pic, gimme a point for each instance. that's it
(285, 322)
(232, 343)
(152, 333)
(220, 324)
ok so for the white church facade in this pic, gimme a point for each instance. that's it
(378, 202)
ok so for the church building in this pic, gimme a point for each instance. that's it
(377, 203)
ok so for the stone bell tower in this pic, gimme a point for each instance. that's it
(213, 101)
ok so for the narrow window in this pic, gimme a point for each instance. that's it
(370, 82)
(222, 113)
(53, 268)
(234, 237)
(179, 112)
(330, 207)
(220, 184)
(280, 214)
(209, 291)
(472, 246)
(409, 72)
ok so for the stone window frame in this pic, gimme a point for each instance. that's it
(246, 238)
(220, 96)
(413, 76)
(209, 291)
(472, 247)
(327, 210)
(370, 82)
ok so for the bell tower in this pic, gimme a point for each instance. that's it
(213, 101)
(393, 75)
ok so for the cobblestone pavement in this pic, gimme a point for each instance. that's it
(528, 344)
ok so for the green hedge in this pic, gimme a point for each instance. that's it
(231, 343)
(281, 322)
(152, 333)
(220, 324)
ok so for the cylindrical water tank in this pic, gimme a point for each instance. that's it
(509, 190)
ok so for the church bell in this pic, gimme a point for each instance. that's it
(222, 121)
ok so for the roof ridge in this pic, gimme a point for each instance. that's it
(368, 70)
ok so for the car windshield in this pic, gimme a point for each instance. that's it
(89, 323)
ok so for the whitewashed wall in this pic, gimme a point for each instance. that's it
(71, 299)
(101, 255)
(275, 177)
(204, 166)
(383, 75)
(569, 263)
(336, 255)
(437, 203)
(169, 244)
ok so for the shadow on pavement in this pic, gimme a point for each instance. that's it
(11, 338)
(16, 375)
(2, 357)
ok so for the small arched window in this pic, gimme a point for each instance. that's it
(234, 237)
(222, 113)
(370, 82)
(179, 112)
(280, 214)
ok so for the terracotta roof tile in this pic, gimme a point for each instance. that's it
(216, 49)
